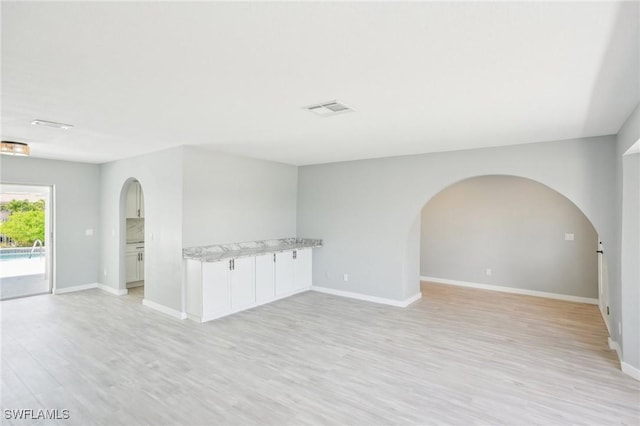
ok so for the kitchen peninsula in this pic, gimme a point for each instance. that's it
(228, 278)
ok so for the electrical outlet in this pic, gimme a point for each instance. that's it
(105, 272)
(569, 237)
(88, 232)
(487, 271)
(346, 277)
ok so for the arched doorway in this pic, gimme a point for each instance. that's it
(510, 234)
(132, 213)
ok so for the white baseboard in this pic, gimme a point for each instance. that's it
(614, 346)
(375, 299)
(116, 291)
(503, 289)
(164, 309)
(135, 284)
(630, 370)
(412, 299)
(64, 290)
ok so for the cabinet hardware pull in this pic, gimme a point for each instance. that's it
(274, 257)
(230, 265)
(295, 254)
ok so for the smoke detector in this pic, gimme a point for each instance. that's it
(329, 108)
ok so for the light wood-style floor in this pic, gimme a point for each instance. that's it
(458, 356)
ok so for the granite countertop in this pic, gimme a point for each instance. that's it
(247, 249)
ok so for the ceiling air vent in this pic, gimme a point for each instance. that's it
(326, 109)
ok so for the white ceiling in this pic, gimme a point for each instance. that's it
(422, 77)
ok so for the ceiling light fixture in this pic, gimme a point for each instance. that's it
(326, 109)
(52, 124)
(15, 148)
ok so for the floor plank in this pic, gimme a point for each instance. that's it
(458, 356)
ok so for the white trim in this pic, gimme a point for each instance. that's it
(116, 291)
(164, 309)
(64, 290)
(522, 291)
(412, 299)
(614, 346)
(627, 369)
(374, 299)
(630, 370)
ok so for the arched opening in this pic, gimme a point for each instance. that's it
(132, 237)
(511, 234)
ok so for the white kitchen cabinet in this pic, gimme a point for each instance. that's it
(265, 278)
(285, 273)
(216, 289)
(302, 269)
(134, 262)
(141, 266)
(293, 271)
(132, 266)
(242, 283)
(135, 201)
(219, 287)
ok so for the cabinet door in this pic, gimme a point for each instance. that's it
(265, 278)
(242, 283)
(132, 266)
(141, 265)
(284, 273)
(215, 288)
(140, 201)
(303, 269)
(132, 201)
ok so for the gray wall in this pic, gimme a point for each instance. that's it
(366, 211)
(514, 226)
(192, 197)
(628, 191)
(160, 175)
(230, 199)
(76, 209)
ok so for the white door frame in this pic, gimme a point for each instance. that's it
(49, 227)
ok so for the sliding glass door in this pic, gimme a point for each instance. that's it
(25, 240)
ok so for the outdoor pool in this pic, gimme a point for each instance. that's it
(17, 253)
(15, 256)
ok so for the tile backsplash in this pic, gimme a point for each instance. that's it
(135, 230)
